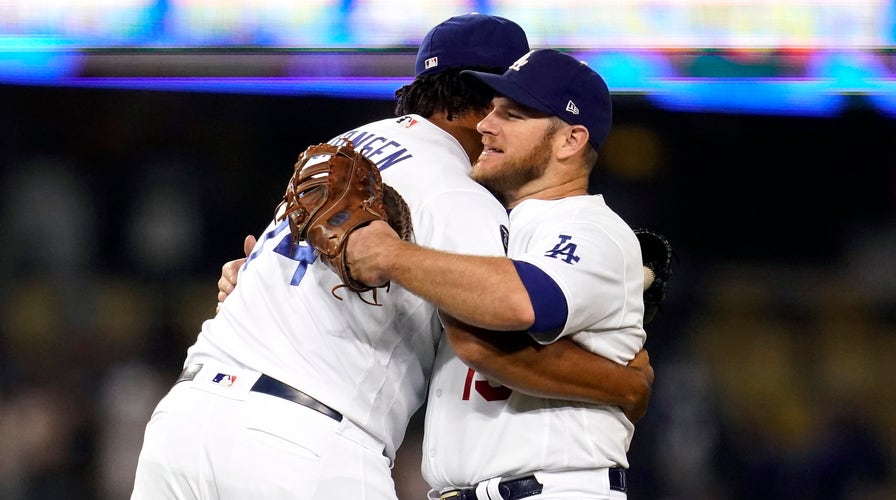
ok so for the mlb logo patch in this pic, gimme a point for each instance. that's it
(407, 121)
(432, 62)
(224, 379)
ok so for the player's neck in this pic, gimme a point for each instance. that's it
(463, 128)
(541, 190)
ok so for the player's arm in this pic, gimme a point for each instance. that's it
(230, 270)
(560, 370)
(496, 293)
(484, 291)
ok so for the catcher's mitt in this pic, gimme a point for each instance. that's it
(328, 200)
(656, 253)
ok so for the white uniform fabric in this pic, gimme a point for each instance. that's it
(475, 430)
(235, 444)
(371, 364)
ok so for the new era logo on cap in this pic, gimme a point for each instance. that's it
(558, 84)
(432, 62)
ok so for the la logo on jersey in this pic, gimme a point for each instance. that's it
(565, 250)
(224, 379)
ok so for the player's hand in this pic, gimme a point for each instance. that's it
(367, 252)
(638, 408)
(230, 270)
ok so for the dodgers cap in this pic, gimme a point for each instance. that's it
(470, 40)
(556, 83)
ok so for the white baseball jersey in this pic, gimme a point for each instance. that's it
(476, 430)
(371, 364)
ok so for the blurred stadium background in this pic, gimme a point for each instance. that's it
(141, 140)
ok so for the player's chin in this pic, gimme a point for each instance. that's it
(480, 172)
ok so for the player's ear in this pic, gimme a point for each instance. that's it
(575, 138)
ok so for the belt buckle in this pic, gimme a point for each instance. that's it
(450, 494)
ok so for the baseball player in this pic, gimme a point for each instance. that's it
(289, 393)
(574, 269)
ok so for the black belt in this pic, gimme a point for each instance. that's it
(527, 486)
(273, 387)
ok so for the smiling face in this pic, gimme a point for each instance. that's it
(518, 148)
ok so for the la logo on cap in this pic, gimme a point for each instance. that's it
(432, 62)
(520, 62)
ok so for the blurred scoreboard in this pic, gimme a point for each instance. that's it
(771, 56)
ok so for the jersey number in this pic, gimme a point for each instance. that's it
(486, 390)
(302, 254)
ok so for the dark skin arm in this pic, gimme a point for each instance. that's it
(561, 370)
(230, 270)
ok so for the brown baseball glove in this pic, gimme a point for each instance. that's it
(327, 200)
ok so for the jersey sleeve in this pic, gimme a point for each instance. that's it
(548, 301)
(588, 266)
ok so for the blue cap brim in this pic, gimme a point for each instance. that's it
(511, 90)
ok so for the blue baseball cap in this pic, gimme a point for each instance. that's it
(552, 82)
(468, 41)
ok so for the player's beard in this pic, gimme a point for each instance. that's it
(506, 178)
